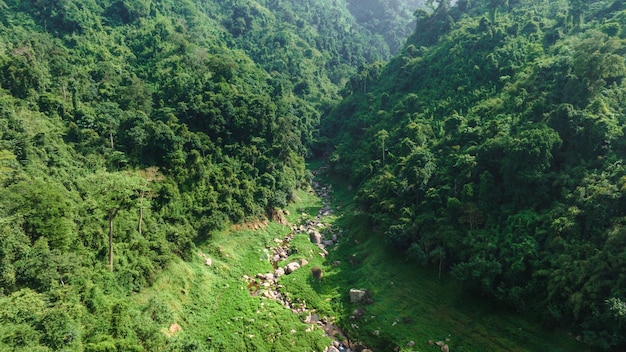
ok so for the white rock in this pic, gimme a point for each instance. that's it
(291, 267)
(279, 272)
(356, 295)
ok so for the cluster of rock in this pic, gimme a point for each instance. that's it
(323, 235)
(442, 345)
(267, 284)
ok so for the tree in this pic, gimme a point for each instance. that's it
(577, 10)
(46, 208)
(382, 135)
(8, 165)
(111, 192)
(493, 8)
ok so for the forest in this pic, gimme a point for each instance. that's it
(492, 147)
(483, 140)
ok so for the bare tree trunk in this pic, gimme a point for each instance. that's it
(111, 217)
(440, 263)
(111, 243)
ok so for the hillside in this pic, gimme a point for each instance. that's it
(132, 131)
(492, 147)
(149, 148)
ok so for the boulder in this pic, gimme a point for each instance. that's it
(410, 344)
(208, 262)
(316, 237)
(291, 267)
(445, 348)
(333, 349)
(358, 313)
(279, 272)
(357, 295)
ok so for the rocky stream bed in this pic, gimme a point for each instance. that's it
(268, 285)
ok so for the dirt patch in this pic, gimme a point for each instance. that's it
(252, 225)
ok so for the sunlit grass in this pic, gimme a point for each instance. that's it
(215, 309)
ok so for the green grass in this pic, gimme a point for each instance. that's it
(213, 306)
(217, 313)
(412, 303)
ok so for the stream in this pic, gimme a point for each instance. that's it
(267, 284)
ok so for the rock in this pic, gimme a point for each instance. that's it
(279, 272)
(269, 277)
(334, 237)
(439, 343)
(316, 237)
(208, 262)
(358, 313)
(445, 348)
(311, 319)
(431, 342)
(376, 332)
(303, 262)
(357, 295)
(317, 272)
(336, 263)
(328, 243)
(276, 258)
(333, 349)
(410, 344)
(291, 267)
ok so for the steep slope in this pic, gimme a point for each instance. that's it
(122, 144)
(133, 130)
(492, 146)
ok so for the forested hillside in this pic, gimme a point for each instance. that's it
(492, 147)
(131, 130)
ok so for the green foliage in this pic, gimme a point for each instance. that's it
(502, 155)
(132, 130)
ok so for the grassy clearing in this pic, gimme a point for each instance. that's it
(213, 306)
(216, 312)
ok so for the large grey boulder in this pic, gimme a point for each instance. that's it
(315, 237)
(356, 295)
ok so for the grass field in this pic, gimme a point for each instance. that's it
(215, 311)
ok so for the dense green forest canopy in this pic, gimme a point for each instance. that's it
(490, 147)
(131, 130)
(493, 146)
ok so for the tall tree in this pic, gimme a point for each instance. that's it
(110, 193)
